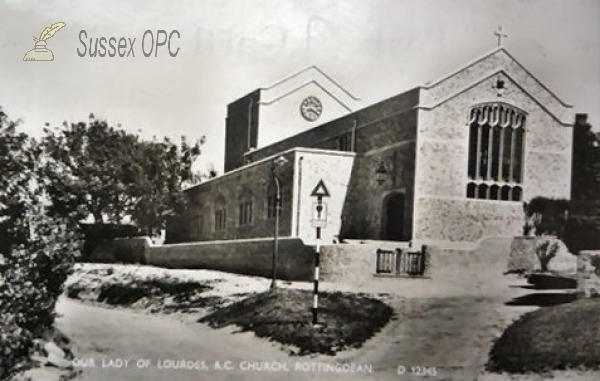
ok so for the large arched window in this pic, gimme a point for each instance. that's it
(496, 143)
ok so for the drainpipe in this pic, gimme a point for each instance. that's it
(353, 143)
(250, 122)
(299, 196)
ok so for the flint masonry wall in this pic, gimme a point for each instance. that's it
(442, 210)
(385, 133)
(250, 183)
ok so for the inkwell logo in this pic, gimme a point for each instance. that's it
(40, 52)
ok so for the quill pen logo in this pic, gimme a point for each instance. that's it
(40, 52)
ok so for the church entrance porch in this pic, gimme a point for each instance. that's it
(393, 217)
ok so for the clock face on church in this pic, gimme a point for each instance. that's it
(311, 108)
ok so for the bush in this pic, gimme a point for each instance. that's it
(36, 252)
(583, 226)
(576, 223)
(108, 231)
(565, 336)
(32, 279)
(545, 250)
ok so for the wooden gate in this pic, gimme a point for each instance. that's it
(401, 262)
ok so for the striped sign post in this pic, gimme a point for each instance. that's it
(319, 221)
(315, 307)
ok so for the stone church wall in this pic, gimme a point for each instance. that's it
(230, 187)
(442, 210)
(390, 141)
(325, 136)
(386, 133)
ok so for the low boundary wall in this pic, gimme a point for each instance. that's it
(249, 257)
(352, 263)
(295, 261)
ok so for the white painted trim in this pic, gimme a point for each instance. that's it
(416, 180)
(515, 82)
(537, 80)
(318, 70)
(376, 151)
(223, 241)
(429, 85)
(316, 83)
(269, 158)
(349, 129)
(465, 199)
(295, 196)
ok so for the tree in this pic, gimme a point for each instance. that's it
(37, 251)
(87, 170)
(95, 169)
(586, 161)
(164, 168)
(18, 157)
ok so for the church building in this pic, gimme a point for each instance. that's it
(450, 161)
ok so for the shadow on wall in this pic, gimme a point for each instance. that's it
(247, 257)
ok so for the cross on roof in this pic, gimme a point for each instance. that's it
(500, 35)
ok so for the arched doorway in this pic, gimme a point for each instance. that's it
(393, 217)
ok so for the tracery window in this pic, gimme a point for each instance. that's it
(496, 143)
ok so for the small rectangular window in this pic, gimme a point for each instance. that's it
(220, 219)
(344, 142)
(245, 213)
(196, 226)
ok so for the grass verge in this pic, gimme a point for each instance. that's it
(158, 295)
(345, 320)
(565, 336)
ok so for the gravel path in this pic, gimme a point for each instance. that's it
(441, 331)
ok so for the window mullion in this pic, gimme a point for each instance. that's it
(501, 155)
(490, 151)
(478, 153)
(512, 154)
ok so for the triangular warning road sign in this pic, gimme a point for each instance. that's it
(320, 190)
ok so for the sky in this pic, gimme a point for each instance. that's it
(228, 48)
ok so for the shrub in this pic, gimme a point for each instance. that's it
(548, 216)
(576, 223)
(545, 250)
(36, 251)
(32, 278)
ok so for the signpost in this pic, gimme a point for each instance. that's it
(319, 221)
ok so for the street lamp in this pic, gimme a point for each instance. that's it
(381, 173)
(278, 162)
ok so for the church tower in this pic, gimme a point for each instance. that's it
(295, 104)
